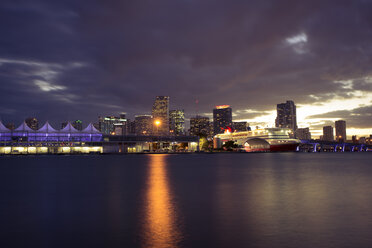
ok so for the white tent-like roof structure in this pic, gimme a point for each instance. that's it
(69, 129)
(90, 129)
(47, 128)
(3, 129)
(23, 128)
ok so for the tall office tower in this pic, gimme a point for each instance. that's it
(340, 126)
(286, 115)
(33, 123)
(199, 125)
(222, 118)
(160, 111)
(177, 122)
(240, 126)
(78, 125)
(107, 124)
(303, 133)
(143, 124)
(328, 133)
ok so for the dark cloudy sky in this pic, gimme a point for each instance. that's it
(66, 60)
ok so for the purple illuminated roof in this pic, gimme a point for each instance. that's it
(23, 127)
(69, 129)
(90, 129)
(47, 128)
(3, 128)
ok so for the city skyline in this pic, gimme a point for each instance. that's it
(67, 61)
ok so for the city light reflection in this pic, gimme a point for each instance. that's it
(161, 227)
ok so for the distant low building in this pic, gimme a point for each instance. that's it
(33, 123)
(10, 126)
(240, 126)
(303, 133)
(78, 125)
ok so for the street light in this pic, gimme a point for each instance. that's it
(157, 124)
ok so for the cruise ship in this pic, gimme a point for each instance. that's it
(260, 140)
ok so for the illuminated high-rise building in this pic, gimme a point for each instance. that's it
(177, 122)
(222, 118)
(108, 124)
(199, 125)
(328, 133)
(160, 111)
(143, 125)
(286, 115)
(340, 127)
(32, 123)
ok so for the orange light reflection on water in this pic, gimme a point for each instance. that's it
(160, 226)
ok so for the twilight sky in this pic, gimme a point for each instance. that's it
(67, 60)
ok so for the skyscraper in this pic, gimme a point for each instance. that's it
(33, 123)
(222, 118)
(340, 126)
(286, 115)
(177, 122)
(160, 111)
(199, 125)
(143, 124)
(328, 133)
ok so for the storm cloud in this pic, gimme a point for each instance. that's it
(63, 60)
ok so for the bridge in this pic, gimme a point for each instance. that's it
(332, 146)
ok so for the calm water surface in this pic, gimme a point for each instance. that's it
(196, 200)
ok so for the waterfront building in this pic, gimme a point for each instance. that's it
(199, 125)
(177, 122)
(78, 124)
(107, 124)
(340, 126)
(222, 118)
(240, 126)
(32, 122)
(328, 133)
(354, 139)
(143, 124)
(286, 115)
(303, 133)
(362, 140)
(160, 114)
